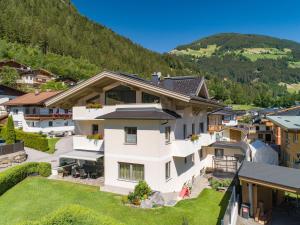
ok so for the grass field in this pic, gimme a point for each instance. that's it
(52, 142)
(202, 52)
(36, 197)
(292, 88)
(244, 107)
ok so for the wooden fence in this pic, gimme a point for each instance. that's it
(12, 148)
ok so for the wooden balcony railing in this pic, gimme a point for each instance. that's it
(215, 128)
(47, 116)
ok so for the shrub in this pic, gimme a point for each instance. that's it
(216, 183)
(44, 169)
(95, 136)
(194, 137)
(9, 133)
(74, 215)
(94, 106)
(142, 190)
(16, 174)
(33, 140)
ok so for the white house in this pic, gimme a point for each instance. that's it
(153, 130)
(30, 114)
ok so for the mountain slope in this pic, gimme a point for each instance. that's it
(244, 58)
(56, 26)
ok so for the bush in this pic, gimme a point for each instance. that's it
(142, 190)
(194, 137)
(94, 106)
(16, 174)
(95, 136)
(216, 183)
(33, 140)
(44, 169)
(74, 215)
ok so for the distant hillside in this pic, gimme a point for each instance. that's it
(244, 58)
(56, 26)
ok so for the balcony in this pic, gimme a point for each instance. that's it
(84, 113)
(47, 116)
(81, 142)
(183, 148)
(230, 122)
(215, 128)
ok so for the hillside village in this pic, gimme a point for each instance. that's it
(116, 129)
(98, 130)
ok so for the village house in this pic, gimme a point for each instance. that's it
(139, 129)
(220, 118)
(287, 134)
(28, 76)
(30, 114)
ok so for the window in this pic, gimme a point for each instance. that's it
(260, 136)
(268, 128)
(66, 123)
(295, 138)
(168, 170)
(130, 135)
(119, 95)
(129, 171)
(184, 131)
(193, 128)
(185, 160)
(167, 134)
(50, 123)
(219, 152)
(66, 111)
(257, 127)
(95, 129)
(50, 111)
(201, 154)
(27, 111)
(15, 111)
(201, 127)
(148, 98)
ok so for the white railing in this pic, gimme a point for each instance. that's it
(84, 113)
(81, 142)
(183, 148)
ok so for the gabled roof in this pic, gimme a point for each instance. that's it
(292, 111)
(225, 111)
(5, 90)
(32, 98)
(286, 122)
(171, 87)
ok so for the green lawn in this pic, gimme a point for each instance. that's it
(36, 197)
(52, 142)
(244, 107)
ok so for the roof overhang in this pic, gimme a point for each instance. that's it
(134, 82)
(82, 155)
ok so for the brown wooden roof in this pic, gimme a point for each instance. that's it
(32, 98)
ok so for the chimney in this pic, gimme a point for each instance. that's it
(156, 77)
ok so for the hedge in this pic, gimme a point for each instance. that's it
(16, 174)
(74, 215)
(33, 140)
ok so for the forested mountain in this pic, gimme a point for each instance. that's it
(55, 26)
(241, 69)
(245, 69)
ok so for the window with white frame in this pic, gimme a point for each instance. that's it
(130, 171)
(168, 170)
(167, 134)
(184, 131)
(130, 135)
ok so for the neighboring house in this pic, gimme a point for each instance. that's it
(287, 134)
(153, 130)
(6, 94)
(293, 111)
(220, 118)
(30, 114)
(262, 129)
(229, 150)
(29, 76)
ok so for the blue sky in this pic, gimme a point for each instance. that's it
(161, 25)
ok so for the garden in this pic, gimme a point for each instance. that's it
(37, 200)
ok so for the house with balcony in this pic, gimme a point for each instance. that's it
(139, 129)
(30, 114)
(220, 118)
